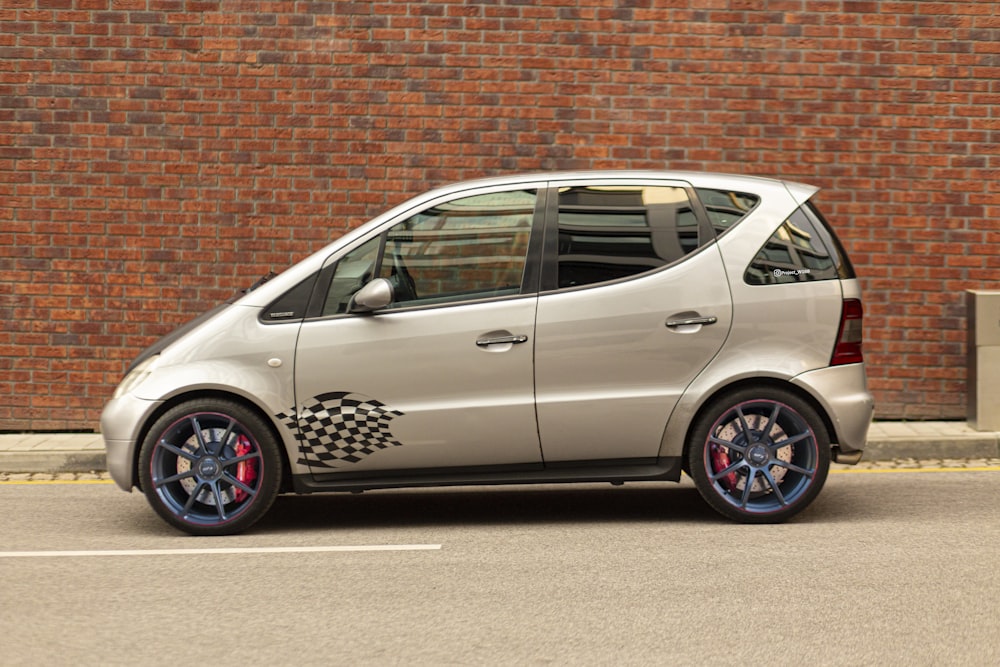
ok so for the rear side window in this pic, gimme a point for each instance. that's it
(803, 249)
(612, 232)
(726, 207)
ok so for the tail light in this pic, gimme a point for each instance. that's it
(848, 349)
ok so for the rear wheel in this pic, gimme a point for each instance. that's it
(210, 467)
(759, 455)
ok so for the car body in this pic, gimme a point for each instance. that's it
(610, 326)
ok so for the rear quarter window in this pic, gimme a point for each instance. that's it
(803, 249)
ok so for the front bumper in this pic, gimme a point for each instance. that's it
(121, 422)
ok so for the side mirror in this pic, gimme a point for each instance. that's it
(375, 295)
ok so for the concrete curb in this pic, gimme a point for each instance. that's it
(52, 462)
(929, 440)
(84, 452)
(966, 448)
(52, 452)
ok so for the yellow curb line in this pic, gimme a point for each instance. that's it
(26, 482)
(866, 471)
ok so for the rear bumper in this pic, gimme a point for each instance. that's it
(842, 392)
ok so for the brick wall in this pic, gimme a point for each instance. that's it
(157, 154)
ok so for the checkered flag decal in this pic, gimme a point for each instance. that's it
(340, 427)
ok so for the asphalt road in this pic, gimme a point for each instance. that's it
(886, 568)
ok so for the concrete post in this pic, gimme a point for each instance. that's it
(983, 354)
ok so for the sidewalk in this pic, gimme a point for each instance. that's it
(887, 441)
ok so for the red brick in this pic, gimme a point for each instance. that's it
(144, 141)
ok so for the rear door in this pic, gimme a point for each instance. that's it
(635, 303)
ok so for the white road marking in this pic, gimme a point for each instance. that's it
(869, 471)
(233, 550)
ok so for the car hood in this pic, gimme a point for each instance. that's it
(165, 341)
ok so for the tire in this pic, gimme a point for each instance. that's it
(210, 467)
(759, 455)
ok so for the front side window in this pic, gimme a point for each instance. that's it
(470, 248)
(354, 270)
(612, 232)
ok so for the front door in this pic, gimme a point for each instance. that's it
(442, 378)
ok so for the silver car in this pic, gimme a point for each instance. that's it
(613, 326)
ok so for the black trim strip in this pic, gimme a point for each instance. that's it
(666, 469)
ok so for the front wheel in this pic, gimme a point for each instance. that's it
(759, 455)
(210, 467)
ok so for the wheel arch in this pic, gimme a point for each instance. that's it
(173, 401)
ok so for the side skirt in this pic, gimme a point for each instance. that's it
(666, 469)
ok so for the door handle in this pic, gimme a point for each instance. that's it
(688, 321)
(502, 340)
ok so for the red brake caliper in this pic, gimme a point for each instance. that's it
(720, 461)
(246, 471)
